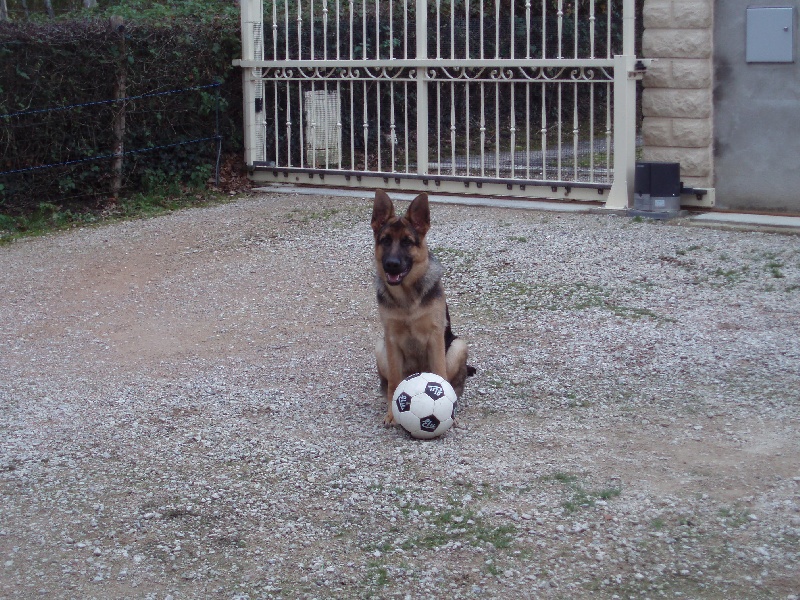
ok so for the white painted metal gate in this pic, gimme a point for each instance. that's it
(483, 96)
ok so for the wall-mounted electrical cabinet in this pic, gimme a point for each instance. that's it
(770, 34)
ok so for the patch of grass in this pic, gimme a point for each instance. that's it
(451, 251)
(49, 217)
(495, 380)
(774, 265)
(629, 312)
(575, 296)
(691, 248)
(609, 493)
(299, 215)
(444, 253)
(455, 260)
(455, 523)
(732, 276)
(499, 537)
(573, 402)
(46, 218)
(155, 204)
(503, 388)
(565, 478)
(580, 497)
(377, 574)
(734, 517)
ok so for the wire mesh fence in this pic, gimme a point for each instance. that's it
(95, 108)
(71, 156)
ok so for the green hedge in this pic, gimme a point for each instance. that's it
(66, 63)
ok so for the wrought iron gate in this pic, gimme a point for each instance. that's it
(485, 96)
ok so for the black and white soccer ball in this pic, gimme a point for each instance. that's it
(425, 405)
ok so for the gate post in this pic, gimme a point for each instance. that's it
(621, 193)
(252, 87)
(422, 87)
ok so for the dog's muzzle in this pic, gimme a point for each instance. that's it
(394, 272)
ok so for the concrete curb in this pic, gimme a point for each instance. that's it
(725, 220)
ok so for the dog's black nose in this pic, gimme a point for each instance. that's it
(393, 266)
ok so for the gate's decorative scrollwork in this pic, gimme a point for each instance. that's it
(521, 74)
(337, 73)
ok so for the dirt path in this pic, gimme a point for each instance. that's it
(189, 409)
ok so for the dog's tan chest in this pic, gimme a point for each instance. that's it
(412, 331)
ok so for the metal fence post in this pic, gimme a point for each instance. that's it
(216, 133)
(117, 26)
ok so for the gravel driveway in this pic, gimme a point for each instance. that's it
(189, 409)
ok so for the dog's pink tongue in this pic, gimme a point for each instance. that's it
(394, 278)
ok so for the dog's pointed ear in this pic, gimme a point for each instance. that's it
(419, 213)
(382, 211)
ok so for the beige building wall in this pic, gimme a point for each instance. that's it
(677, 101)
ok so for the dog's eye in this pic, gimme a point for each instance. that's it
(385, 241)
(406, 242)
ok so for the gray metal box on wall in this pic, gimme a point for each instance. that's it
(770, 34)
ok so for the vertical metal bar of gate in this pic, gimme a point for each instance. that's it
(422, 88)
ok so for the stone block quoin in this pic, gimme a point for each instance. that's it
(677, 101)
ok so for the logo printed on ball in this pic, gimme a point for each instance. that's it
(429, 424)
(403, 402)
(434, 390)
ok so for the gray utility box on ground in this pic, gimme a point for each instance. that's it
(657, 187)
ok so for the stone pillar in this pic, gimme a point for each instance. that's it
(677, 101)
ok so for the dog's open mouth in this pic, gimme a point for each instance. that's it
(395, 278)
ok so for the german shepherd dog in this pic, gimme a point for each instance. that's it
(411, 302)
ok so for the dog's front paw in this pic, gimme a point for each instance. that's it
(388, 420)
